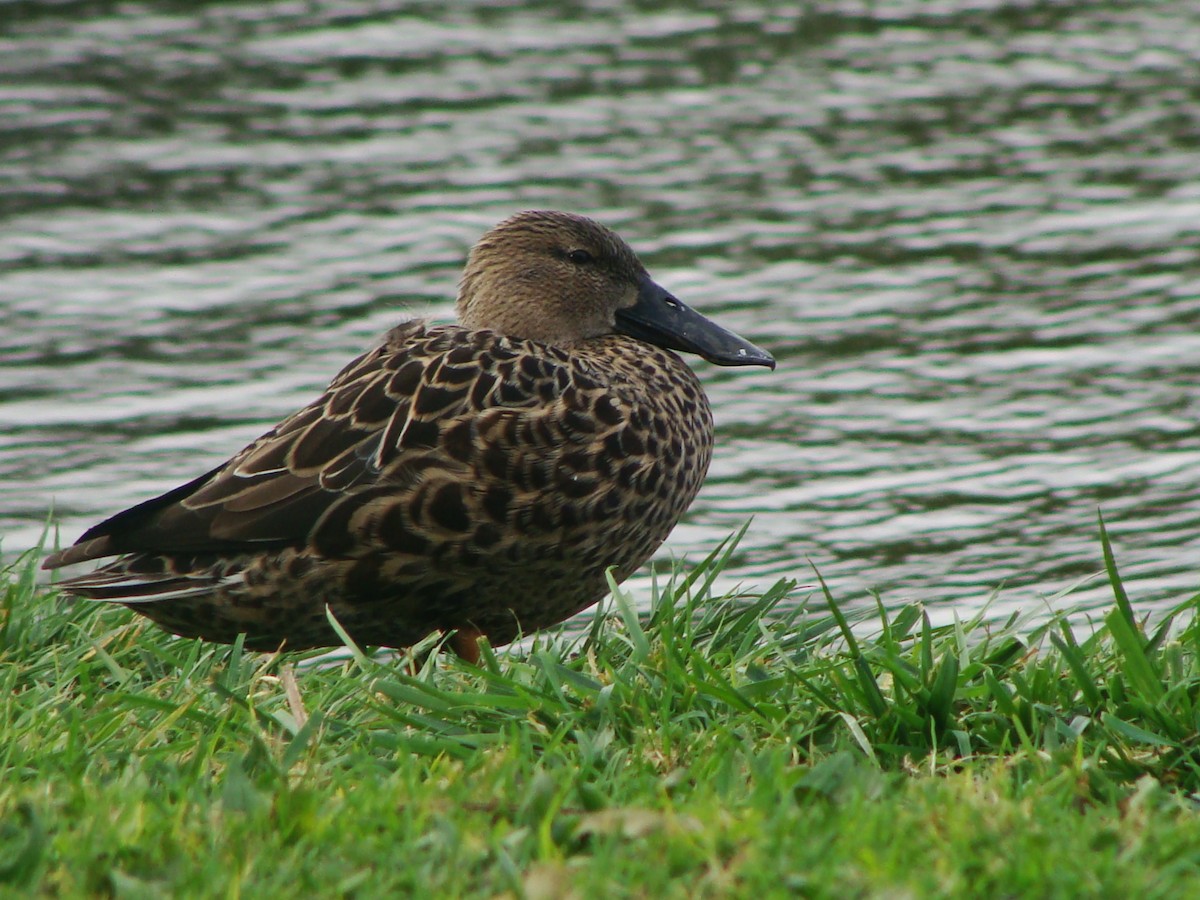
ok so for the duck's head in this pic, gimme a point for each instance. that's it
(562, 279)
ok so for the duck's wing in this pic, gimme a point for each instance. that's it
(394, 415)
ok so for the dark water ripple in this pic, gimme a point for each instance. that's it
(969, 230)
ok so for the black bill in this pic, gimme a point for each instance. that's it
(658, 318)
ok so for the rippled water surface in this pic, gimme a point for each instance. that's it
(969, 230)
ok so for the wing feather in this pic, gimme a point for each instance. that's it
(380, 423)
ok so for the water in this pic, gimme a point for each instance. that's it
(967, 229)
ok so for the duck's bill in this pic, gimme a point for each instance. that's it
(659, 318)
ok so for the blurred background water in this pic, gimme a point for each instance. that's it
(968, 229)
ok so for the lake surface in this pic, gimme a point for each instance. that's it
(969, 230)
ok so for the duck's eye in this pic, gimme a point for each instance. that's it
(581, 257)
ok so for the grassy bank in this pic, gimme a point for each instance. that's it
(715, 747)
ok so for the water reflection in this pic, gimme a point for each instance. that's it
(967, 231)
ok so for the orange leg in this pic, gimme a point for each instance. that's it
(465, 643)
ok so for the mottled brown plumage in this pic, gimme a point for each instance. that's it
(478, 477)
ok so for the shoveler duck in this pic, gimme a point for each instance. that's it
(475, 479)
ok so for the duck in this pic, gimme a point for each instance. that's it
(477, 479)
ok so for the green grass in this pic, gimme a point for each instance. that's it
(719, 746)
